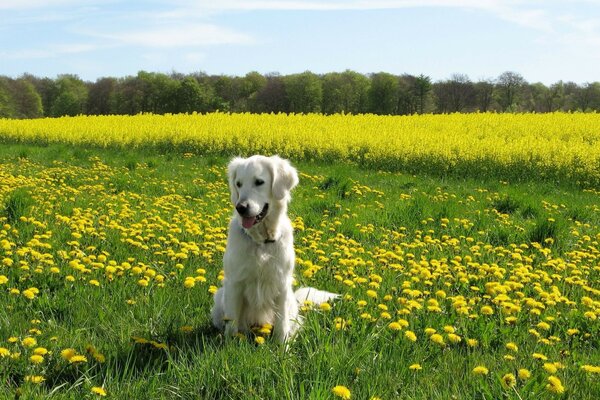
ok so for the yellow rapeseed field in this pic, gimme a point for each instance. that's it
(556, 145)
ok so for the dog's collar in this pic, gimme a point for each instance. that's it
(267, 241)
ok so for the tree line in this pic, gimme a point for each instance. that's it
(350, 92)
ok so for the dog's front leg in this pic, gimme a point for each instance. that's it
(286, 311)
(233, 308)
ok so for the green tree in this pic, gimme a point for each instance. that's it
(509, 90)
(191, 96)
(345, 92)
(7, 104)
(100, 96)
(383, 93)
(304, 92)
(422, 89)
(71, 96)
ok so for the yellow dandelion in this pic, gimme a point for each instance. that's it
(67, 354)
(508, 381)
(524, 374)
(37, 379)
(437, 338)
(512, 346)
(36, 359)
(78, 359)
(29, 341)
(394, 326)
(40, 351)
(341, 391)
(480, 370)
(410, 335)
(555, 385)
(415, 367)
(99, 391)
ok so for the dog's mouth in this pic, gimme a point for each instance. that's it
(249, 222)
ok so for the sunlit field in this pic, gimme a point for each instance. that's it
(560, 147)
(478, 284)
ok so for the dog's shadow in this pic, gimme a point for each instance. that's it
(142, 356)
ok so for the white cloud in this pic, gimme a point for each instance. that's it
(190, 35)
(52, 51)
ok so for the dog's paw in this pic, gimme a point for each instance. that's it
(231, 329)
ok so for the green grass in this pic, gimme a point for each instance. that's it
(145, 207)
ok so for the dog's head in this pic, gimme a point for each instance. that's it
(257, 182)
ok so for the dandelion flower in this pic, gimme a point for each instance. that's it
(437, 338)
(67, 354)
(508, 381)
(77, 359)
(555, 385)
(37, 379)
(29, 341)
(480, 370)
(395, 326)
(36, 359)
(410, 335)
(415, 367)
(524, 374)
(40, 351)
(512, 346)
(550, 368)
(341, 391)
(99, 391)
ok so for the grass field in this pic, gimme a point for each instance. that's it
(452, 288)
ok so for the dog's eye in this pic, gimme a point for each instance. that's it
(238, 184)
(259, 182)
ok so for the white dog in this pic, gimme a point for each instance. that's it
(259, 259)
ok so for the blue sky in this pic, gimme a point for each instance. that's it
(544, 41)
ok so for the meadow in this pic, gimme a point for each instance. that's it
(466, 282)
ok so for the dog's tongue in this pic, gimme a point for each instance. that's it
(248, 222)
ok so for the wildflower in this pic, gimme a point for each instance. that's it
(415, 367)
(454, 338)
(259, 340)
(487, 310)
(539, 356)
(94, 282)
(29, 341)
(67, 354)
(591, 369)
(472, 342)
(512, 346)
(37, 379)
(449, 329)
(77, 359)
(99, 391)
(437, 338)
(41, 351)
(189, 282)
(550, 368)
(410, 335)
(341, 391)
(524, 374)
(508, 381)
(325, 307)
(555, 385)
(4, 352)
(480, 370)
(394, 326)
(36, 359)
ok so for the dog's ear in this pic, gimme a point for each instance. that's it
(285, 177)
(231, 175)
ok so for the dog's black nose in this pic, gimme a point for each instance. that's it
(242, 208)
